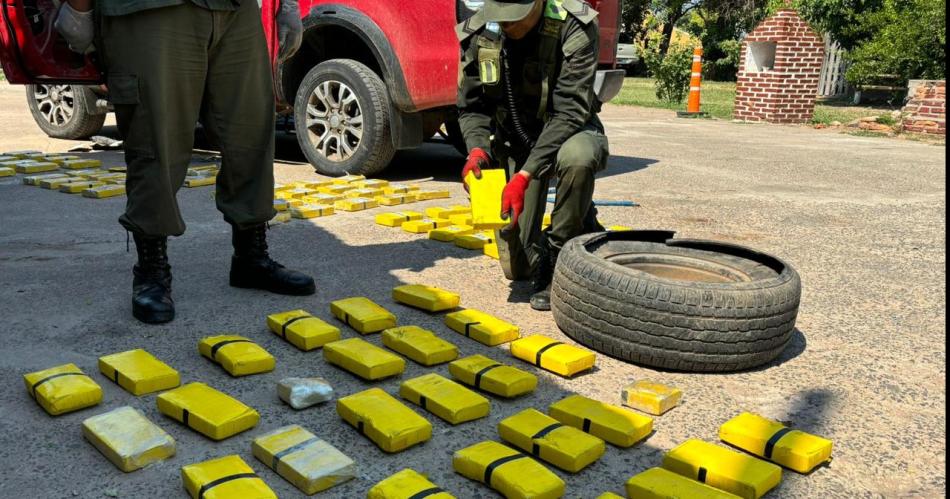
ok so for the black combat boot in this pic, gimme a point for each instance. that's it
(252, 267)
(152, 281)
(542, 276)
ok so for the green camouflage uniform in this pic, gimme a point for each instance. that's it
(553, 70)
(170, 64)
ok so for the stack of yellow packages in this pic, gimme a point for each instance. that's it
(238, 355)
(224, 478)
(420, 345)
(486, 198)
(307, 211)
(794, 449)
(511, 473)
(355, 204)
(545, 438)
(723, 469)
(552, 355)
(428, 298)
(396, 219)
(384, 420)
(363, 359)
(304, 460)
(214, 414)
(62, 389)
(614, 424)
(651, 398)
(424, 225)
(128, 439)
(407, 484)
(104, 191)
(363, 315)
(482, 327)
(446, 399)
(138, 372)
(475, 241)
(485, 374)
(450, 233)
(658, 483)
(302, 330)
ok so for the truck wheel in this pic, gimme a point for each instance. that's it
(342, 118)
(685, 305)
(61, 111)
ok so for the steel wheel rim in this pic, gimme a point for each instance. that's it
(57, 103)
(334, 120)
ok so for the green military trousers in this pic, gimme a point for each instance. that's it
(167, 68)
(578, 160)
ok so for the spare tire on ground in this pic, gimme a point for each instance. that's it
(678, 304)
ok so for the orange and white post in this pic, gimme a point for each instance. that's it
(695, 82)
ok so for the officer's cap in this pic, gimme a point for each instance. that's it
(500, 11)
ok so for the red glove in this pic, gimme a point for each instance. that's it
(512, 198)
(477, 159)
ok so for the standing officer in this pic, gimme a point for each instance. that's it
(527, 102)
(169, 64)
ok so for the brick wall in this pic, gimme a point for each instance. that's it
(785, 93)
(926, 112)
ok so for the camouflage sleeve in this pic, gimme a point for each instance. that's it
(474, 111)
(573, 97)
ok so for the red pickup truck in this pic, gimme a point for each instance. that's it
(390, 67)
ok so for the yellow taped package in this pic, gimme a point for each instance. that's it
(724, 469)
(396, 199)
(314, 184)
(214, 414)
(363, 193)
(443, 212)
(363, 315)
(79, 186)
(426, 298)
(118, 169)
(13, 163)
(79, 164)
(482, 327)
(552, 355)
(59, 158)
(348, 179)
(445, 398)
(62, 389)
(200, 181)
(311, 211)
(104, 191)
(476, 241)
(549, 440)
(424, 225)
(128, 439)
(616, 425)
(338, 189)
(79, 174)
(430, 194)
(407, 484)
(771, 440)
(355, 204)
(138, 372)
(397, 218)
(281, 204)
(112, 178)
(7, 172)
(363, 359)
(462, 219)
(302, 330)
(651, 398)
(238, 355)
(486, 198)
(371, 183)
(485, 374)
(36, 179)
(448, 234)
(22, 154)
(302, 459)
(54, 183)
(36, 167)
(420, 345)
(511, 473)
(227, 477)
(329, 199)
(658, 483)
(387, 422)
(395, 189)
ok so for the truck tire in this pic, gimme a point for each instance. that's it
(677, 304)
(61, 111)
(342, 118)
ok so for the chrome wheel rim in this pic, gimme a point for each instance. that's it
(57, 103)
(334, 120)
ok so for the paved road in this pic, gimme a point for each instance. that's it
(862, 219)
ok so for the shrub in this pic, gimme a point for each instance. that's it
(672, 71)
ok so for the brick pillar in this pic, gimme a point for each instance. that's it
(926, 112)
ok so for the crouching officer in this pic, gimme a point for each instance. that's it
(170, 64)
(526, 102)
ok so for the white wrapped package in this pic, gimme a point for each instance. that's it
(128, 439)
(301, 393)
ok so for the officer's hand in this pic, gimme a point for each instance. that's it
(512, 198)
(477, 159)
(76, 27)
(289, 30)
